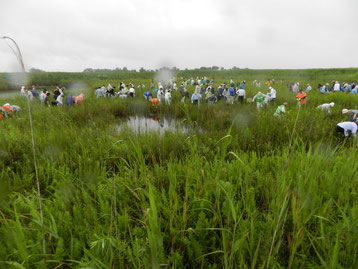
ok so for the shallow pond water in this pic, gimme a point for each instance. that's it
(150, 123)
(9, 94)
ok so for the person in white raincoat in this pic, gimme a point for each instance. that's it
(168, 97)
(326, 107)
(160, 94)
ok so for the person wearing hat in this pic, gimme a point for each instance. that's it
(343, 128)
(280, 110)
(309, 87)
(11, 108)
(296, 87)
(301, 97)
(336, 87)
(324, 88)
(260, 97)
(350, 113)
(7, 109)
(348, 88)
(326, 107)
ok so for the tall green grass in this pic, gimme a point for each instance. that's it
(230, 196)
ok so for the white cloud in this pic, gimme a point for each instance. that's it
(67, 35)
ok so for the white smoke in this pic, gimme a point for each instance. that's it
(77, 88)
(164, 76)
(17, 79)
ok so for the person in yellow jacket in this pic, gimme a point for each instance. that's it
(269, 83)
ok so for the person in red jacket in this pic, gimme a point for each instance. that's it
(301, 97)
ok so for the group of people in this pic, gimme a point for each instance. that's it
(124, 91)
(56, 99)
(231, 94)
(336, 86)
(162, 96)
(204, 92)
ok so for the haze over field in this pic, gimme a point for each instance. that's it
(65, 35)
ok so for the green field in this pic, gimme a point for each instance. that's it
(246, 191)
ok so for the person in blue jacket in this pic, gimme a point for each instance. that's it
(147, 95)
(69, 100)
(231, 96)
(219, 92)
(323, 89)
(195, 98)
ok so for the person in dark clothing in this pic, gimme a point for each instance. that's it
(181, 88)
(35, 94)
(185, 95)
(111, 92)
(47, 99)
(56, 92)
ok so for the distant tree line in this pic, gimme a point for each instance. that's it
(103, 70)
(142, 69)
(35, 70)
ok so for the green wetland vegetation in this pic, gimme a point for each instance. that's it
(246, 191)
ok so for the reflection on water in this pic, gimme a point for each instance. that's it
(140, 124)
(9, 94)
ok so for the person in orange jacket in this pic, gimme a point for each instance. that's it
(301, 97)
(2, 111)
(154, 101)
(5, 110)
(78, 99)
(7, 107)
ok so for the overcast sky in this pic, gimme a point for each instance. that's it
(71, 35)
